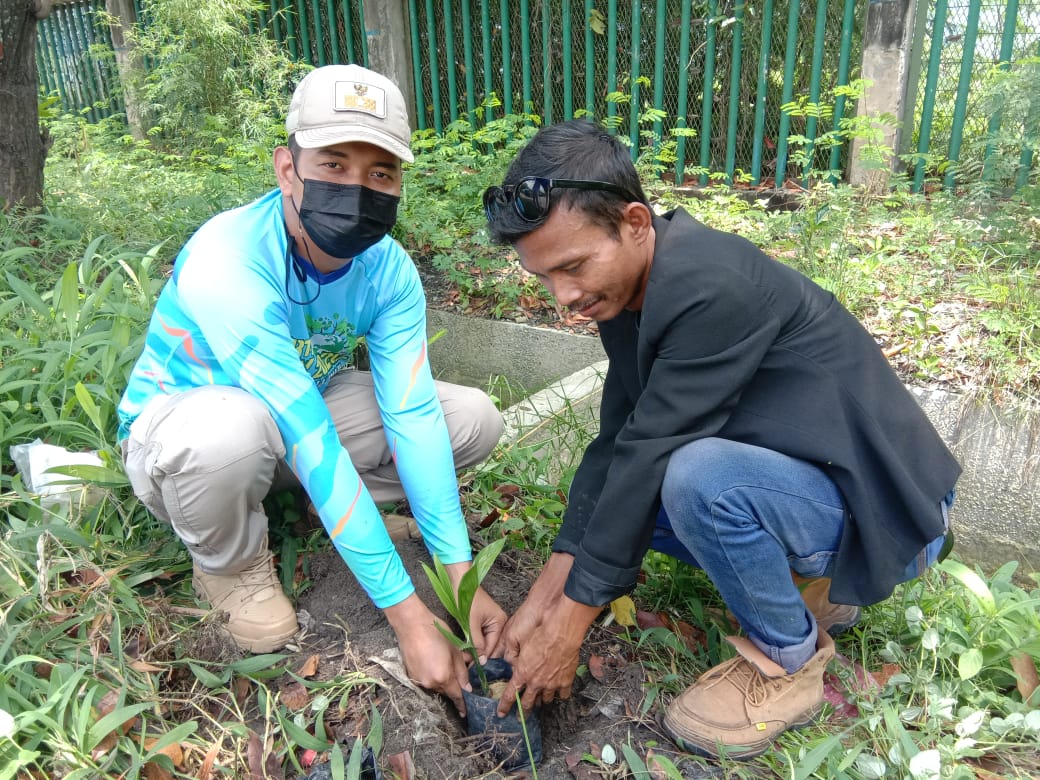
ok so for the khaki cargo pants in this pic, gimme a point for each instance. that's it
(204, 460)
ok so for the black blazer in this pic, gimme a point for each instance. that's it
(734, 344)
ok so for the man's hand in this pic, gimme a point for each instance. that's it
(543, 638)
(486, 618)
(429, 659)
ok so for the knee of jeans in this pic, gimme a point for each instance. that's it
(206, 437)
(684, 484)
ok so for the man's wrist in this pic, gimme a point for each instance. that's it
(405, 614)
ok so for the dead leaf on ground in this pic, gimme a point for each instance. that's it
(173, 751)
(153, 771)
(241, 688)
(295, 696)
(206, 769)
(624, 611)
(144, 666)
(647, 620)
(255, 757)
(401, 765)
(1025, 671)
(310, 666)
(886, 671)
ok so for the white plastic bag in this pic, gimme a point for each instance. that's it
(34, 459)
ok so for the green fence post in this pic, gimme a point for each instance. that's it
(449, 60)
(590, 70)
(276, 20)
(734, 90)
(43, 53)
(819, 44)
(1007, 48)
(507, 58)
(70, 56)
(928, 107)
(568, 65)
(963, 86)
(659, 32)
(435, 75)
(525, 52)
(633, 109)
(305, 33)
(848, 21)
(785, 118)
(1025, 160)
(684, 83)
(467, 55)
(291, 36)
(485, 25)
(547, 101)
(348, 32)
(611, 56)
(420, 99)
(330, 13)
(708, 90)
(758, 140)
(319, 48)
(364, 33)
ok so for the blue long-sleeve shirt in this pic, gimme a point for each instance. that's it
(226, 318)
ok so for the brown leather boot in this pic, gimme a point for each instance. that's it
(739, 707)
(832, 618)
(261, 618)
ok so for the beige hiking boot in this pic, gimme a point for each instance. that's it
(832, 618)
(739, 707)
(260, 617)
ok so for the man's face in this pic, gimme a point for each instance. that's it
(353, 162)
(585, 268)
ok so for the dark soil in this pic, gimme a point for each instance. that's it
(350, 634)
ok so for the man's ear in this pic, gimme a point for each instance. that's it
(638, 218)
(284, 169)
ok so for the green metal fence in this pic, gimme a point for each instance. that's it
(715, 71)
(958, 42)
(721, 68)
(71, 56)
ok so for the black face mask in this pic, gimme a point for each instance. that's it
(345, 219)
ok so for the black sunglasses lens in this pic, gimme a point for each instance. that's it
(532, 199)
(494, 199)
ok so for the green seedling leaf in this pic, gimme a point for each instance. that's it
(89, 407)
(207, 677)
(973, 582)
(356, 754)
(635, 763)
(375, 731)
(112, 721)
(256, 663)
(303, 738)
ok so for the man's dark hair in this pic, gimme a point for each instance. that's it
(577, 149)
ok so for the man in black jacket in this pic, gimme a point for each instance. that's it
(749, 425)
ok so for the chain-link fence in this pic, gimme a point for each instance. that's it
(720, 67)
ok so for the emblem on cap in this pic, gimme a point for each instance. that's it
(355, 96)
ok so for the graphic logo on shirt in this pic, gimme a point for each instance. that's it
(329, 349)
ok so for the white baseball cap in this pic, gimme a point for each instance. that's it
(338, 103)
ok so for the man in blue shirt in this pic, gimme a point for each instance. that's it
(246, 382)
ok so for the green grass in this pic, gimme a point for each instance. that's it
(98, 628)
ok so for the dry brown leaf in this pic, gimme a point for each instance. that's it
(886, 671)
(153, 771)
(401, 765)
(255, 757)
(206, 768)
(241, 687)
(647, 620)
(1025, 671)
(596, 664)
(144, 666)
(295, 696)
(310, 666)
(107, 704)
(173, 751)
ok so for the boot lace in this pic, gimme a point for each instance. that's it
(746, 678)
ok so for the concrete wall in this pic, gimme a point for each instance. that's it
(996, 517)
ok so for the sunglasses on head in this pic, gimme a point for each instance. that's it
(530, 196)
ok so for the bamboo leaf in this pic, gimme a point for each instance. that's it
(68, 298)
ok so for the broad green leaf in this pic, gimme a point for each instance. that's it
(635, 763)
(255, 663)
(303, 738)
(179, 734)
(207, 677)
(68, 298)
(112, 721)
(375, 731)
(969, 664)
(28, 295)
(354, 765)
(89, 407)
(973, 582)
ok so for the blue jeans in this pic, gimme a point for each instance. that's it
(748, 516)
